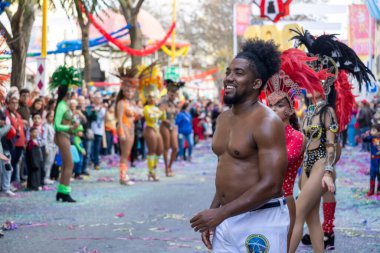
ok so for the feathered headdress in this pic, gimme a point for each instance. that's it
(65, 76)
(295, 74)
(128, 76)
(345, 58)
(174, 86)
(150, 80)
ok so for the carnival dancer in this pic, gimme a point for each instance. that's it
(168, 128)
(64, 125)
(150, 84)
(126, 114)
(295, 74)
(248, 212)
(321, 126)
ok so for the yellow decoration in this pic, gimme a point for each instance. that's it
(180, 52)
(44, 29)
(267, 32)
(174, 19)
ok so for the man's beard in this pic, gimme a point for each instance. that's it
(231, 100)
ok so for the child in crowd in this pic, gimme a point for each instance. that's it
(37, 123)
(373, 136)
(77, 141)
(50, 146)
(34, 161)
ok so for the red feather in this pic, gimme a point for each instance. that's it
(294, 64)
(344, 99)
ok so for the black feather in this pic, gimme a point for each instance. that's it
(343, 55)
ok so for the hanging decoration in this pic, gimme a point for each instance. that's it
(200, 76)
(374, 8)
(273, 9)
(119, 44)
(180, 52)
(68, 46)
(3, 5)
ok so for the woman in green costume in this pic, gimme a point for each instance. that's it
(63, 79)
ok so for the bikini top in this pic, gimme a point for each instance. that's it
(315, 132)
(68, 115)
(318, 131)
(129, 110)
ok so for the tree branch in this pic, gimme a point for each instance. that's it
(80, 16)
(7, 35)
(136, 9)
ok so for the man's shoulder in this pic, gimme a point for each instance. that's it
(225, 115)
(264, 115)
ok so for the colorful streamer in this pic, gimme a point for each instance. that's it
(374, 8)
(180, 52)
(200, 76)
(3, 5)
(121, 45)
(75, 45)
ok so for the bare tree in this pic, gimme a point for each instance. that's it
(130, 11)
(18, 41)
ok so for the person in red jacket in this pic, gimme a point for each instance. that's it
(17, 142)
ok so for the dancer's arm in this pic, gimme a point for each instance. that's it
(331, 126)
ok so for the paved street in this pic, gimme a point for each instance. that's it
(154, 217)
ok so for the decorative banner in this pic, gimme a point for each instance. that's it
(172, 73)
(119, 44)
(359, 29)
(273, 9)
(243, 18)
(374, 8)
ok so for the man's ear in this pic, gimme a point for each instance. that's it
(257, 84)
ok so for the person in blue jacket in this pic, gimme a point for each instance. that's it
(185, 131)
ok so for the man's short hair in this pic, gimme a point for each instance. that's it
(35, 114)
(24, 91)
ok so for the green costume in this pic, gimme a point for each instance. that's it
(64, 76)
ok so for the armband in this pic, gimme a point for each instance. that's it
(329, 168)
(334, 128)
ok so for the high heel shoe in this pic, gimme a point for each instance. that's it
(65, 197)
(169, 173)
(126, 181)
(153, 176)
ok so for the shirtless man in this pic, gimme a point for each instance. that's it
(248, 212)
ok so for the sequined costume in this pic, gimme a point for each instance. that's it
(153, 115)
(317, 133)
(294, 140)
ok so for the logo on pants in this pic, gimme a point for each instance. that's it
(257, 243)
